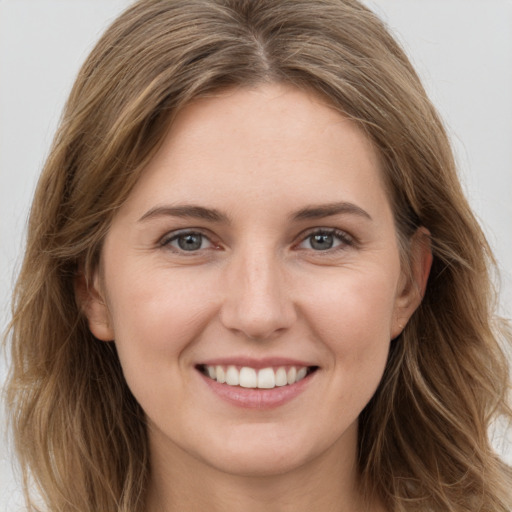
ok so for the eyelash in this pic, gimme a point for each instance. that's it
(176, 235)
(344, 238)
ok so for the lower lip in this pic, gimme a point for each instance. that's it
(251, 398)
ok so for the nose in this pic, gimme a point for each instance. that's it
(257, 296)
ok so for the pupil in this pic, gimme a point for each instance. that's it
(322, 242)
(190, 242)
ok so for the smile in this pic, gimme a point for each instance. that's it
(252, 378)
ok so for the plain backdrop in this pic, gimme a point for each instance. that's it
(462, 49)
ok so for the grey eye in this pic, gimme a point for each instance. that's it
(188, 241)
(322, 241)
(326, 239)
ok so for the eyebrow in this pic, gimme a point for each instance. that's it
(328, 210)
(185, 211)
(213, 215)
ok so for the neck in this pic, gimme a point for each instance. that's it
(328, 483)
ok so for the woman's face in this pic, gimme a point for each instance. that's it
(258, 245)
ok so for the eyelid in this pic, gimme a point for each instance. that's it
(170, 236)
(346, 239)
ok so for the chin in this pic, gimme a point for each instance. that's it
(260, 452)
(258, 463)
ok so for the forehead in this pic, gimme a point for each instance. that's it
(269, 142)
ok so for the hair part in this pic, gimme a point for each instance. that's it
(79, 432)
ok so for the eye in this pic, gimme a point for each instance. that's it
(189, 241)
(326, 239)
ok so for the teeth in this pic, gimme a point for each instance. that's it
(232, 376)
(265, 378)
(301, 374)
(220, 374)
(281, 377)
(292, 374)
(248, 377)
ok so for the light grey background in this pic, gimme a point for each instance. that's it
(462, 49)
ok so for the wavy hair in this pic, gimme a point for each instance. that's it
(79, 433)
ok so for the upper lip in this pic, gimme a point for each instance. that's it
(255, 362)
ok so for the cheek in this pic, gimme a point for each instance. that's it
(162, 302)
(352, 315)
(156, 315)
(353, 305)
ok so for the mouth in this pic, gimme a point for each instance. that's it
(256, 378)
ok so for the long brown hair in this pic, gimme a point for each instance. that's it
(79, 433)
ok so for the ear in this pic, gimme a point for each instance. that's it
(91, 300)
(413, 282)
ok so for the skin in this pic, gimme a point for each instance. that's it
(256, 288)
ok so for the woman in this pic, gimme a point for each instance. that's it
(252, 280)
